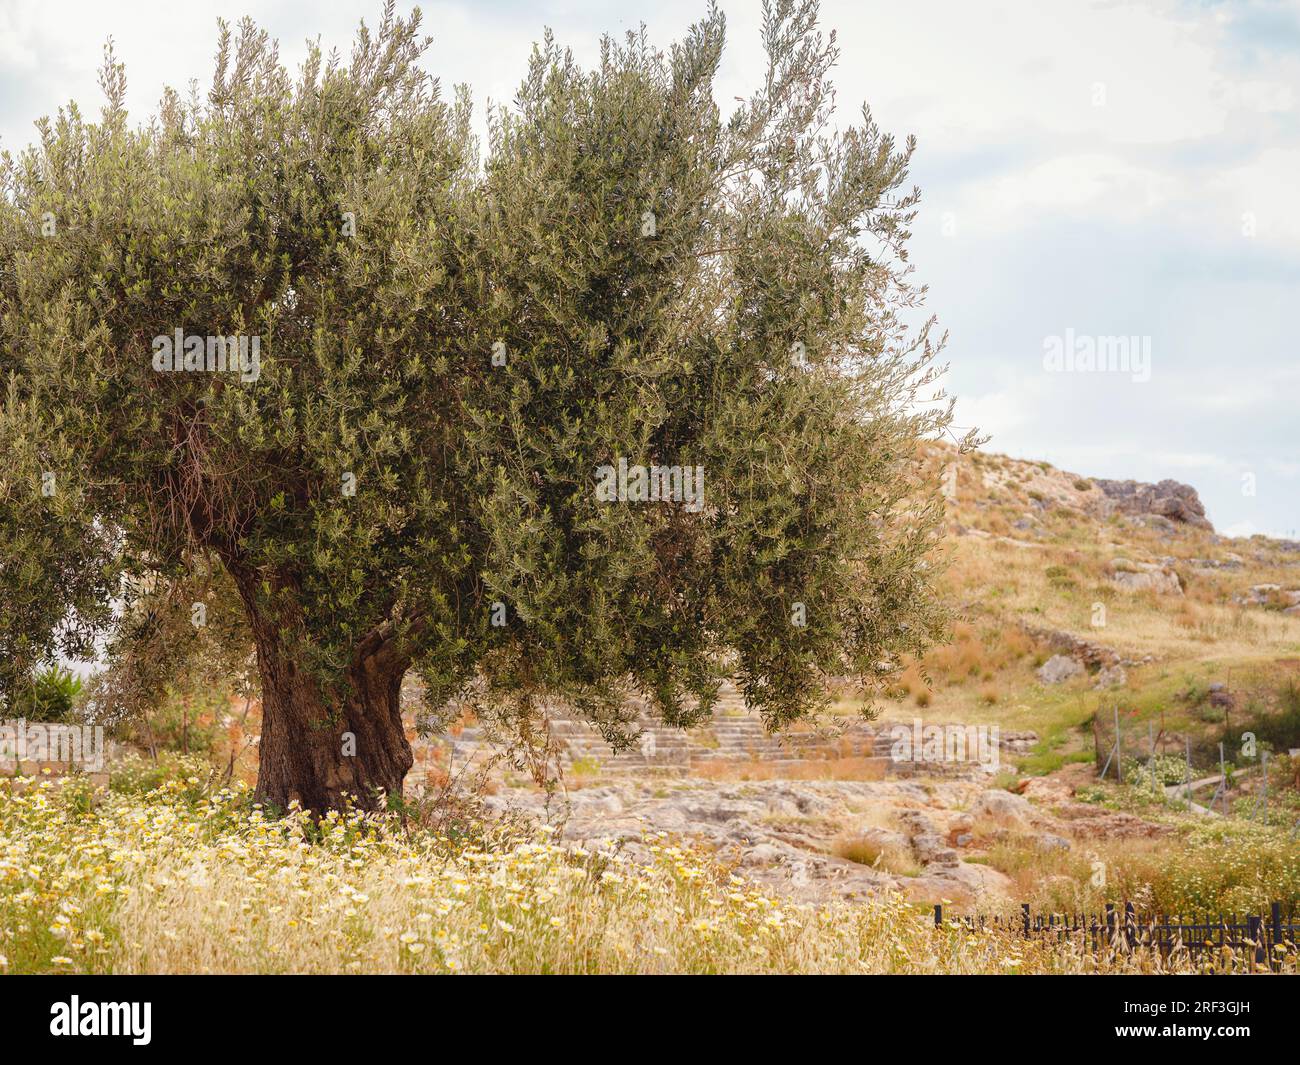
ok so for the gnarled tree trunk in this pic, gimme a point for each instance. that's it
(325, 753)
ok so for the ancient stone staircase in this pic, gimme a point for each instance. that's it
(734, 736)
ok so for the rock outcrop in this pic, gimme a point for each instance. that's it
(1167, 499)
(787, 833)
(1272, 597)
(1144, 576)
(1059, 668)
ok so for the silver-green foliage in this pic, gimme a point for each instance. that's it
(663, 283)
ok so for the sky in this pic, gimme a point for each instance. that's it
(1109, 224)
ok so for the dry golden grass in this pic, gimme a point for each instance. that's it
(1017, 585)
(1038, 553)
(182, 880)
(1215, 868)
(884, 855)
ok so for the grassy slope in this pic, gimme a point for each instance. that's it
(1029, 545)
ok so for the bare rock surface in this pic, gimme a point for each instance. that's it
(1273, 597)
(787, 834)
(1058, 669)
(1168, 499)
(1111, 677)
(1144, 576)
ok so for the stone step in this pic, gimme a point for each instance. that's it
(734, 735)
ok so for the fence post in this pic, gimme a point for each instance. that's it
(1263, 759)
(1119, 749)
(1024, 909)
(1110, 751)
(1130, 925)
(1222, 780)
(1276, 914)
(1151, 757)
(1110, 923)
(938, 915)
(1254, 929)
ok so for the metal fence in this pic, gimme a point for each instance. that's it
(1127, 754)
(1252, 936)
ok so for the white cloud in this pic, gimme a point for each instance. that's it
(16, 52)
(1241, 530)
(1137, 73)
(1261, 195)
(1101, 183)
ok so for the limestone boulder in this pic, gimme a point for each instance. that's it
(1144, 577)
(1058, 669)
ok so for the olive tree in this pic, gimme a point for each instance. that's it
(625, 403)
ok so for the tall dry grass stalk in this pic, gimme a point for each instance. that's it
(186, 880)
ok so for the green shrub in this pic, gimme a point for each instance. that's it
(1060, 577)
(51, 697)
(1275, 730)
(1280, 730)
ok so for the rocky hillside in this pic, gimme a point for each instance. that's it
(1076, 600)
(1071, 585)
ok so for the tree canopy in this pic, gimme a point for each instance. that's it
(408, 360)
